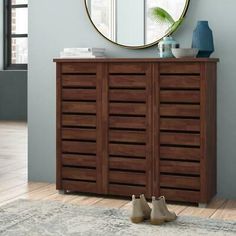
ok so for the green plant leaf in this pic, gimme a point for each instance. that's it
(161, 16)
(175, 25)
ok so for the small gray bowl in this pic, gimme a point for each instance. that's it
(185, 52)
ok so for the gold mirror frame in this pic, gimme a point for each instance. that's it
(144, 46)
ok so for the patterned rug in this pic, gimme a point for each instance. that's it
(44, 218)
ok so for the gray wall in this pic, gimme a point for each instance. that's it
(67, 25)
(130, 24)
(13, 87)
(13, 95)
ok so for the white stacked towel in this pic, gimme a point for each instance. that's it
(83, 53)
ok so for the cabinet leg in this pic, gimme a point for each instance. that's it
(202, 205)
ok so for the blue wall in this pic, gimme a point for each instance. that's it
(66, 25)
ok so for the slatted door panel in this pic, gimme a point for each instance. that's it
(80, 127)
(129, 124)
(179, 126)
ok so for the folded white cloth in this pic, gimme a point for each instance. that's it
(80, 55)
(83, 53)
(84, 50)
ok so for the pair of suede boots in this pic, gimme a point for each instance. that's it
(158, 214)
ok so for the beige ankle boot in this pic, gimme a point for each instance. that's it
(157, 217)
(145, 207)
(137, 214)
(169, 216)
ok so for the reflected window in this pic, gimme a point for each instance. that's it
(103, 12)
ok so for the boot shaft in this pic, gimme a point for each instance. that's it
(136, 207)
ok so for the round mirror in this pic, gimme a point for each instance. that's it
(136, 23)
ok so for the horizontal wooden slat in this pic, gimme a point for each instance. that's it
(79, 160)
(78, 147)
(79, 81)
(126, 190)
(79, 120)
(127, 81)
(180, 139)
(78, 173)
(127, 95)
(127, 136)
(127, 122)
(179, 82)
(127, 177)
(180, 124)
(179, 167)
(127, 109)
(120, 163)
(85, 68)
(127, 150)
(180, 96)
(180, 195)
(79, 107)
(180, 68)
(180, 110)
(79, 94)
(179, 153)
(81, 134)
(127, 68)
(183, 182)
(79, 186)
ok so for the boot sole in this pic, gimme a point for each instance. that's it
(157, 222)
(169, 220)
(137, 220)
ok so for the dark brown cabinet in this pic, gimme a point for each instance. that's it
(132, 126)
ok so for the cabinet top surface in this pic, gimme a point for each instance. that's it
(62, 60)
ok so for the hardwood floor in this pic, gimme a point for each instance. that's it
(14, 185)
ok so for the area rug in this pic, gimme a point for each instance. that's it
(44, 218)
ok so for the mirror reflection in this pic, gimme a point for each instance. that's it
(136, 23)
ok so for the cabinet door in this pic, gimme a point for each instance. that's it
(79, 147)
(129, 129)
(179, 131)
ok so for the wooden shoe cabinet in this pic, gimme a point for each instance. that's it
(132, 126)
